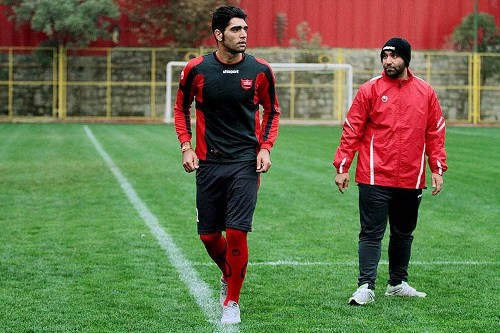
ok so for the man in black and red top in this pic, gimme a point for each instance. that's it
(233, 145)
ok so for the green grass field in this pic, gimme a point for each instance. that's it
(78, 254)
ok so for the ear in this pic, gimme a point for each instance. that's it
(218, 35)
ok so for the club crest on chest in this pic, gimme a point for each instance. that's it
(246, 84)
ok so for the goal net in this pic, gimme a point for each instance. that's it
(307, 92)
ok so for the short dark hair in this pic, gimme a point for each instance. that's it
(224, 14)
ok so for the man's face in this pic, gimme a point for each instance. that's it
(234, 38)
(394, 65)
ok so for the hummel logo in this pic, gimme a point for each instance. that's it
(231, 71)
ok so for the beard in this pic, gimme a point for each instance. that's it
(233, 49)
(237, 49)
(394, 72)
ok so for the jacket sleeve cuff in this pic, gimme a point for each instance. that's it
(342, 167)
(184, 138)
(266, 146)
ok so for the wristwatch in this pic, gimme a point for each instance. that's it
(185, 146)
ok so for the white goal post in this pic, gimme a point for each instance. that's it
(276, 68)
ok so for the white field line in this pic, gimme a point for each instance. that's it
(355, 263)
(197, 287)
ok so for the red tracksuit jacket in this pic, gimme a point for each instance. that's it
(394, 126)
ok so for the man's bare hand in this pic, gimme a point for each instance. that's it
(342, 181)
(263, 160)
(190, 160)
(437, 183)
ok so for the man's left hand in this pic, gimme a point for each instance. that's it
(437, 183)
(263, 160)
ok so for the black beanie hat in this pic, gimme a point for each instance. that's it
(399, 46)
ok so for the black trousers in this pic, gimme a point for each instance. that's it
(377, 205)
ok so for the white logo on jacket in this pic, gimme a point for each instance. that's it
(385, 98)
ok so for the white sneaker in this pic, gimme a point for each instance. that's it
(363, 295)
(403, 289)
(231, 313)
(223, 291)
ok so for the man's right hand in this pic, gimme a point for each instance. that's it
(342, 181)
(190, 160)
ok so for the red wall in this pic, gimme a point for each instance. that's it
(341, 23)
(364, 23)
(11, 35)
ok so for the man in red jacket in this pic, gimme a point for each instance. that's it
(395, 123)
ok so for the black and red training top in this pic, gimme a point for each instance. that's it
(227, 99)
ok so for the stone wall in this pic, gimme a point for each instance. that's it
(312, 95)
